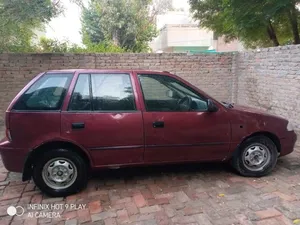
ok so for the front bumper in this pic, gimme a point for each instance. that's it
(12, 158)
(288, 143)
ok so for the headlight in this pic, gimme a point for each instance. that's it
(290, 126)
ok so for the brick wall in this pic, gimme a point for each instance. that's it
(212, 72)
(270, 80)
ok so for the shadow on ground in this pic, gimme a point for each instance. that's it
(156, 171)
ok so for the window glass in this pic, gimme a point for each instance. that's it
(81, 100)
(112, 92)
(163, 93)
(47, 93)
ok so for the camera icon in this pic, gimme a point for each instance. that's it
(18, 210)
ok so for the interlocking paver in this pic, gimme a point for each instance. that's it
(186, 194)
(95, 207)
(268, 213)
(139, 200)
(202, 219)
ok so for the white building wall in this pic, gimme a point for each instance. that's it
(188, 35)
(183, 35)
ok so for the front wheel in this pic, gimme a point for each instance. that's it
(256, 157)
(60, 172)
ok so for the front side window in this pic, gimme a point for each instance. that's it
(47, 93)
(103, 92)
(167, 94)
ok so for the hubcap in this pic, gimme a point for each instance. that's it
(256, 157)
(59, 173)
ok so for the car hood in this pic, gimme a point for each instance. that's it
(247, 109)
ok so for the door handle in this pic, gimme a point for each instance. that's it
(78, 126)
(158, 124)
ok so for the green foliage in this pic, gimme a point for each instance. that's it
(47, 45)
(28, 11)
(105, 46)
(51, 45)
(126, 23)
(256, 23)
(108, 25)
(18, 20)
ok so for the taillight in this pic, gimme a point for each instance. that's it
(7, 130)
(8, 136)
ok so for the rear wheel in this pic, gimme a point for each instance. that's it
(256, 157)
(60, 172)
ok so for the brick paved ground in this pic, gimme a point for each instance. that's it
(181, 194)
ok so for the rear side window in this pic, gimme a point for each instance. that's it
(81, 100)
(103, 92)
(47, 93)
(112, 92)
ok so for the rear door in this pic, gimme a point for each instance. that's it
(35, 114)
(103, 116)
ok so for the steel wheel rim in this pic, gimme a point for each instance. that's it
(59, 173)
(256, 157)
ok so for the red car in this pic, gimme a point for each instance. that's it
(65, 123)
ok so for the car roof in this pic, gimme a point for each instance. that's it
(105, 70)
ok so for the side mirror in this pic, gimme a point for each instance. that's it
(170, 94)
(211, 107)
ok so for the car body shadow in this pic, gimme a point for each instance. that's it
(159, 171)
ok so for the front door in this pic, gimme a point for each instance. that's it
(103, 117)
(177, 125)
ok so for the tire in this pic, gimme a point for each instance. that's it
(261, 145)
(63, 164)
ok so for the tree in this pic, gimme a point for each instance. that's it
(288, 9)
(19, 19)
(256, 23)
(159, 7)
(47, 45)
(127, 23)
